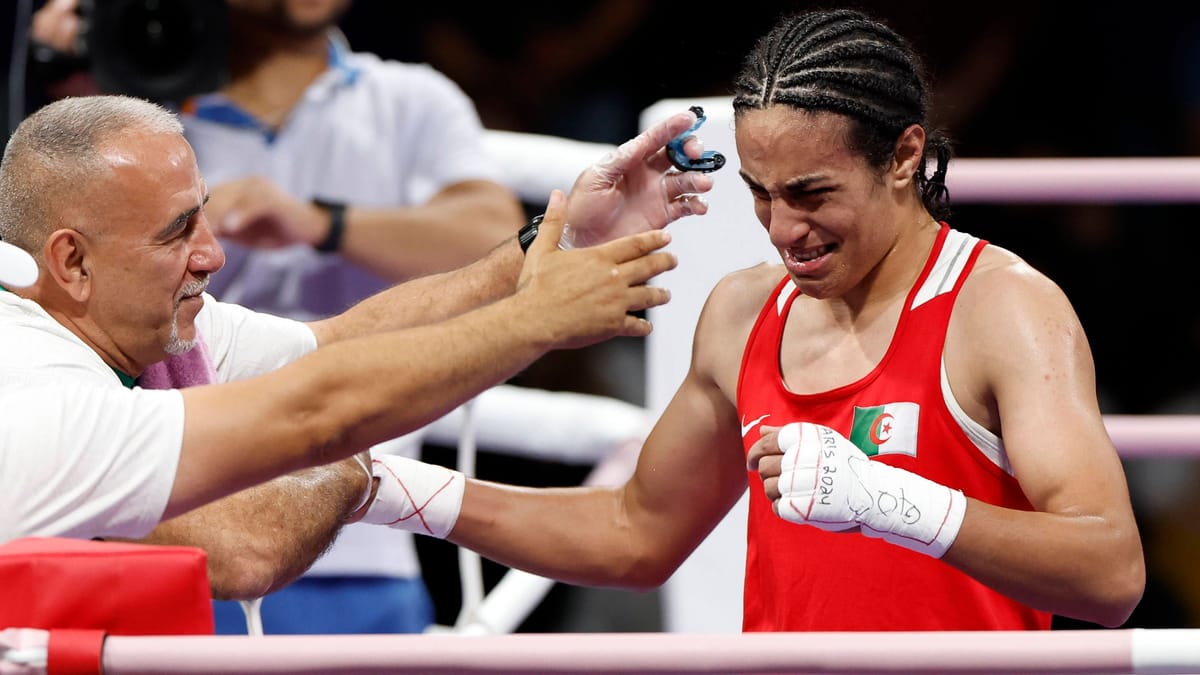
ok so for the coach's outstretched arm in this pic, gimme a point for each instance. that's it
(343, 398)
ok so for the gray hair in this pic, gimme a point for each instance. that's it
(56, 152)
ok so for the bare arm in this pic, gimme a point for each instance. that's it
(456, 226)
(631, 536)
(459, 225)
(690, 472)
(428, 299)
(631, 190)
(263, 538)
(1078, 554)
(348, 396)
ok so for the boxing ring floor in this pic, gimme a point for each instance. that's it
(704, 648)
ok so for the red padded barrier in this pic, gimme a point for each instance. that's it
(119, 588)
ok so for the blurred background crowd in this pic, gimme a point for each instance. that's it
(1014, 79)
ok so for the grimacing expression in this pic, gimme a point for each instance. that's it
(823, 206)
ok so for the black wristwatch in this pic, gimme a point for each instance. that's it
(528, 233)
(332, 243)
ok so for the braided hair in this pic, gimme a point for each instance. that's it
(844, 62)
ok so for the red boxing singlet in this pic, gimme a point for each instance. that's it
(801, 578)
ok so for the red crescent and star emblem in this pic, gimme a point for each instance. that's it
(881, 430)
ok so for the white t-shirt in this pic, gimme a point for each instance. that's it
(82, 455)
(367, 132)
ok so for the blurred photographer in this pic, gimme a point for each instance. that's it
(161, 51)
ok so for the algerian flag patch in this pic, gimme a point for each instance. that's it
(886, 429)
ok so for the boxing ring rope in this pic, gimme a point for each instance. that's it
(1162, 651)
(556, 163)
(1148, 436)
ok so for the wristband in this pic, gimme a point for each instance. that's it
(415, 496)
(332, 243)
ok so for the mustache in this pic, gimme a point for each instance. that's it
(192, 288)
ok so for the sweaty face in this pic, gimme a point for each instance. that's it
(827, 212)
(150, 248)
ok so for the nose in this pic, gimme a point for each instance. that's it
(207, 254)
(786, 225)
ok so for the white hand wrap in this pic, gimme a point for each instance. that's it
(828, 482)
(415, 496)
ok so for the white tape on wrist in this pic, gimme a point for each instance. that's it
(415, 496)
(828, 482)
(912, 511)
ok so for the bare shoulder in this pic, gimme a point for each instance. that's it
(726, 320)
(1001, 279)
(1007, 307)
(739, 295)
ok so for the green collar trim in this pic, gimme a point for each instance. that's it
(127, 380)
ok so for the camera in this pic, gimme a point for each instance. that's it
(162, 50)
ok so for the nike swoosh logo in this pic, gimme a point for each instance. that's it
(747, 427)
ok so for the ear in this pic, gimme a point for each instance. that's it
(68, 263)
(910, 147)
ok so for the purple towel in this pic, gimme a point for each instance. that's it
(185, 370)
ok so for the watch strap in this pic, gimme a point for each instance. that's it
(332, 243)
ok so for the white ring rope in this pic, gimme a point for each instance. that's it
(470, 564)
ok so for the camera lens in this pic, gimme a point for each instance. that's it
(163, 50)
(159, 37)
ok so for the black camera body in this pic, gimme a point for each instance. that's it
(162, 50)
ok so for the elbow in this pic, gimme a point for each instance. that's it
(1113, 591)
(648, 571)
(644, 580)
(249, 577)
(1123, 589)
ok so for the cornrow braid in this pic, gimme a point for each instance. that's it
(844, 62)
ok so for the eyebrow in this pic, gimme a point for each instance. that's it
(181, 220)
(794, 185)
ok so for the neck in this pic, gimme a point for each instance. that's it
(894, 275)
(98, 340)
(271, 73)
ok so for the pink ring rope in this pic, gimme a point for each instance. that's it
(1087, 180)
(1144, 436)
(1090, 651)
